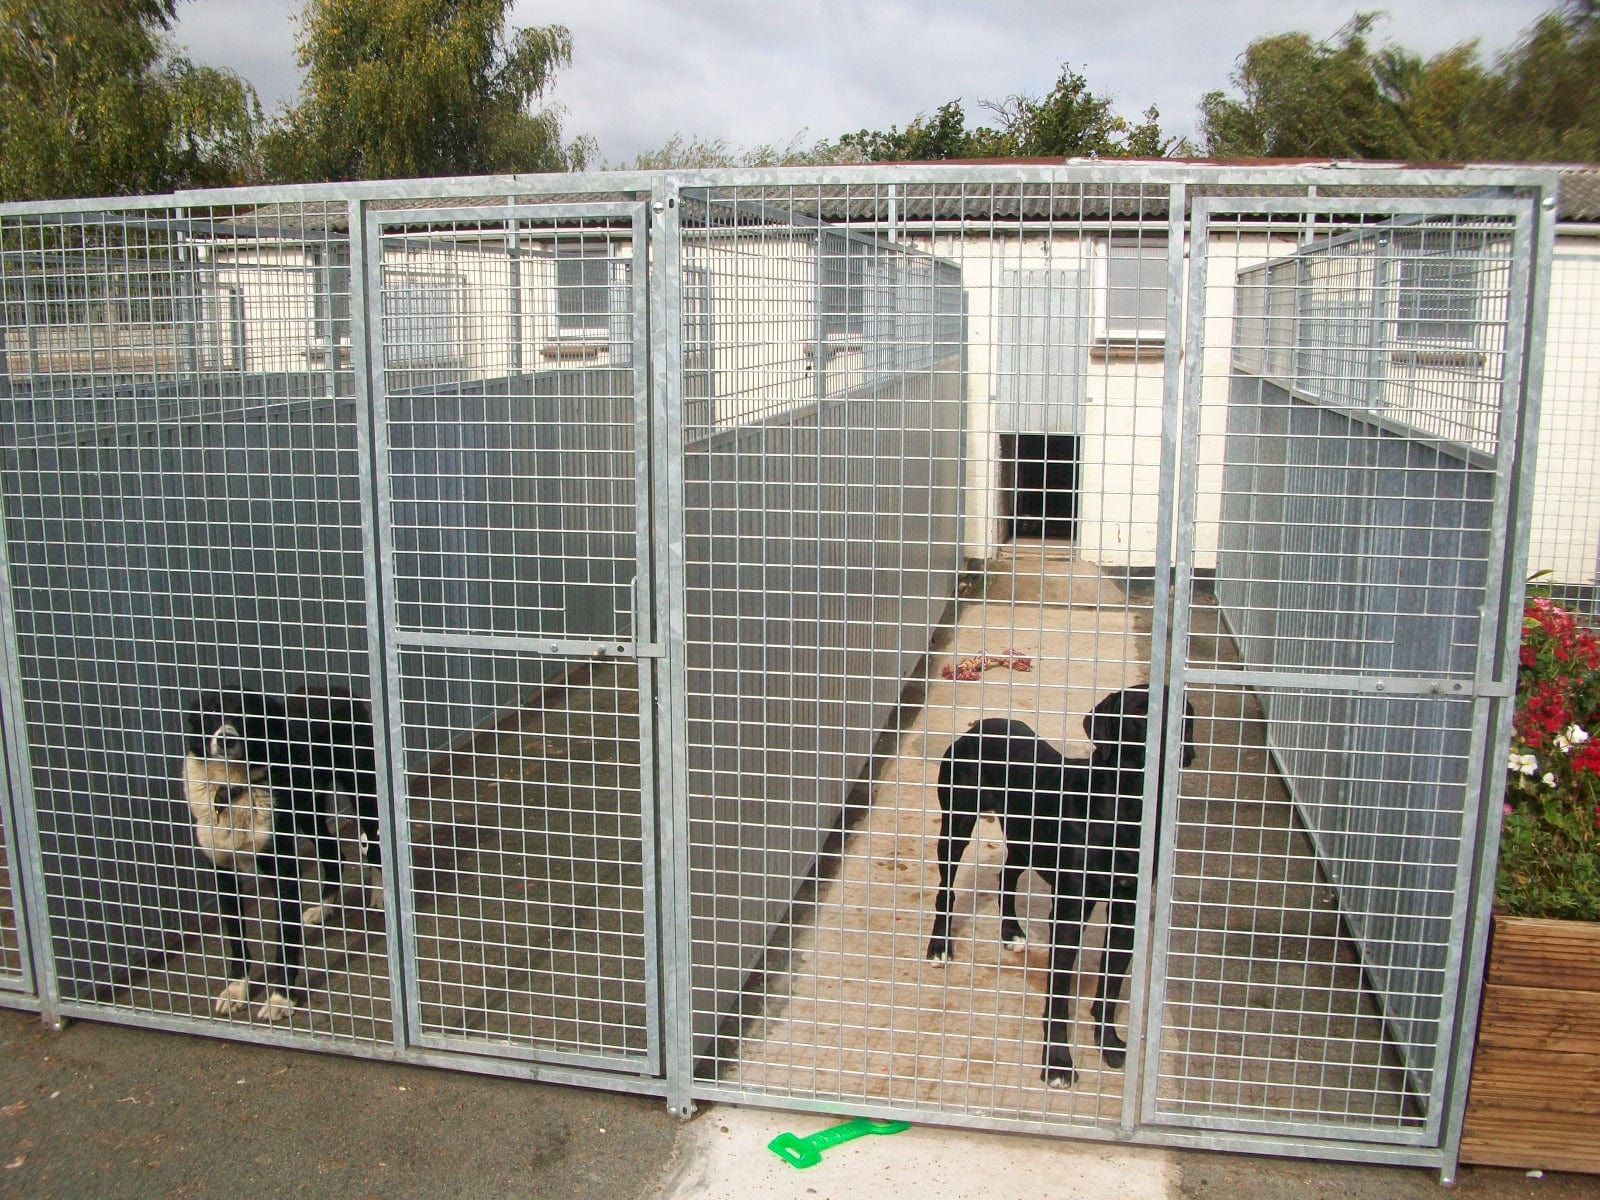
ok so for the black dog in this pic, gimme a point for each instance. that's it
(259, 773)
(1077, 823)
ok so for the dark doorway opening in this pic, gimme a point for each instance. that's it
(1039, 476)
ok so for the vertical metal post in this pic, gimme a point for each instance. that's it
(366, 350)
(665, 259)
(1180, 462)
(1157, 808)
(1538, 242)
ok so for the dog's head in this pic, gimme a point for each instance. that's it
(1119, 724)
(216, 728)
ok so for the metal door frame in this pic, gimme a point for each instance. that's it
(1491, 689)
(641, 647)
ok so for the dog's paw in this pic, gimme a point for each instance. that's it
(1017, 943)
(1058, 1077)
(276, 1007)
(1058, 1070)
(939, 953)
(314, 914)
(1113, 1050)
(233, 998)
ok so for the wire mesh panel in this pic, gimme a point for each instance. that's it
(1322, 745)
(875, 562)
(14, 973)
(1015, 646)
(186, 551)
(511, 410)
(1364, 429)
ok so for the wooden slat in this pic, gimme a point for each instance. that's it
(1565, 1022)
(1537, 1081)
(1530, 952)
(1535, 1098)
(1566, 1147)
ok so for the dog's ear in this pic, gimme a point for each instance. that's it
(1119, 717)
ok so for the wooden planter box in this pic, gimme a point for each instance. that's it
(1535, 1096)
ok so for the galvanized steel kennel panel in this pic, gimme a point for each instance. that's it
(676, 524)
(861, 625)
(1367, 425)
(1299, 954)
(183, 480)
(519, 601)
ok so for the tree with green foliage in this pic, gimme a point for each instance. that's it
(1068, 121)
(1302, 98)
(680, 153)
(412, 88)
(1295, 97)
(94, 101)
(1546, 102)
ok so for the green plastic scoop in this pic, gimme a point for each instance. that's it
(807, 1151)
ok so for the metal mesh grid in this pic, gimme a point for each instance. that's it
(514, 541)
(526, 858)
(11, 951)
(182, 514)
(1405, 319)
(929, 426)
(1279, 1009)
(1356, 553)
(814, 840)
(1301, 979)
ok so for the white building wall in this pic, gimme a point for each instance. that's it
(1565, 537)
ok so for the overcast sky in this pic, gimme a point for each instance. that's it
(752, 72)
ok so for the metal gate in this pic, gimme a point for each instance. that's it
(518, 603)
(1371, 442)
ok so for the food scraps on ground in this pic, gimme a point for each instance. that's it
(971, 668)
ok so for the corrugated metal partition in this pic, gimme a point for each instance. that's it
(603, 571)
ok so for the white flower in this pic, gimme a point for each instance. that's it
(1573, 735)
(1525, 764)
(1549, 779)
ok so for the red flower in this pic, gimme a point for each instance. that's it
(1587, 758)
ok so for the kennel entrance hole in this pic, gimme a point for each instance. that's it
(1040, 475)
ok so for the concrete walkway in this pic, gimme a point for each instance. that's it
(103, 1111)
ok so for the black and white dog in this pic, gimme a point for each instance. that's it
(1077, 822)
(258, 774)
